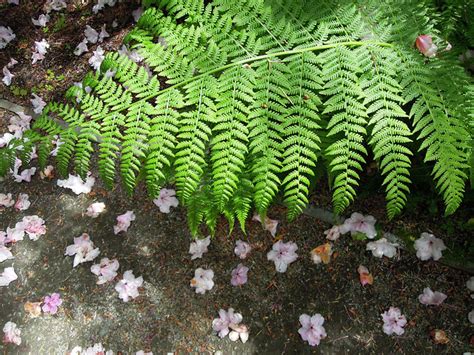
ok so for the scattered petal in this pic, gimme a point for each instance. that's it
(38, 104)
(428, 246)
(33, 226)
(229, 323)
(358, 223)
(5, 253)
(41, 21)
(11, 334)
(312, 329)
(96, 60)
(7, 76)
(203, 280)
(51, 303)
(199, 247)
(239, 275)
(333, 234)
(269, 224)
(393, 321)
(95, 209)
(47, 172)
(431, 298)
(137, 14)
(77, 185)
(283, 254)
(6, 36)
(469, 283)
(103, 34)
(6, 200)
(82, 249)
(7, 276)
(425, 45)
(166, 200)
(92, 35)
(22, 203)
(124, 221)
(81, 48)
(128, 286)
(382, 247)
(40, 50)
(242, 249)
(106, 270)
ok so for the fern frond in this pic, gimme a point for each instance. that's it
(230, 134)
(164, 127)
(389, 131)
(347, 123)
(194, 134)
(265, 133)
(301, 143)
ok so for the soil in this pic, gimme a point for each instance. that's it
(169, 316)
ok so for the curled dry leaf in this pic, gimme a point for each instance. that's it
(439, 336)
(322, 254)
(33, 308)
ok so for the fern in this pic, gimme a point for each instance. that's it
(259, 96)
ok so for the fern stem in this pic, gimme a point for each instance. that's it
(262, 57)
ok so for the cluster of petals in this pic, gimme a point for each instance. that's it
(166, 200)
(229, 323)
(83, 250)
(358, 223)
(106, 270)
(127, 288)
(124, 221)
(430, 298)
(428, 246)
(283, 254)
(393, 321)
(199, 247)
(202, 280)
(77, 184)
(312, 329)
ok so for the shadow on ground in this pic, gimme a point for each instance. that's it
(169, 317)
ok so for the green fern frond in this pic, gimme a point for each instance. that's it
(347, 123)
(262, 95)
(387, 120)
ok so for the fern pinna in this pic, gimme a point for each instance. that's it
(258, 94)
